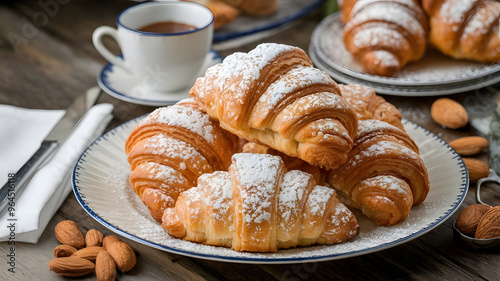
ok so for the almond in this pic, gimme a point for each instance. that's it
(88, 253)
(68, 233)
(469, 218)
(123, 255)
(477, 169)
(489, 226)
(105, 267)
(110, 239)
(93, 238)
(71, 266)
(449, 113)
(469, 145)
(64, 251)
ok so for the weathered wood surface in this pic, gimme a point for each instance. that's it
(47, 59)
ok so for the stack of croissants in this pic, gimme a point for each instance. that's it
(269, 152)
(384, 36)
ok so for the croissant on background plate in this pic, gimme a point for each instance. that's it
(170, 148)
(226, 11)
(258, 206)
(384, 36)
(465, 29)
(274, 96)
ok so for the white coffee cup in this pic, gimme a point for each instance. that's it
(162, 62)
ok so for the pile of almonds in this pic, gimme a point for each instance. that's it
(453, 115)
(78, 255)
(479, 221)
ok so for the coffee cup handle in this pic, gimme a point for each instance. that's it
(97, 36)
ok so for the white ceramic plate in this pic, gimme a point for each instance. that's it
(434, 69)
(122, 85)
(399, 90)
(244, 25)
(100, 183)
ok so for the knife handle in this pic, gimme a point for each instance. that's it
(15, 185)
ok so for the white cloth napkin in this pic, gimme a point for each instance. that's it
(21, 133)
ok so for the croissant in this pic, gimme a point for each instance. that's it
(465, 29)
(254, 7)
(369, 105)
(170, 148)
(274, 96)
(384, 36)
(223, 13)
(258, 206)
(384, 175)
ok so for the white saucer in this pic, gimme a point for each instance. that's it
(122, 85)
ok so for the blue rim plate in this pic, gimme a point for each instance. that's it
(288, 11)
(433, 70)
(100, 184)
(407, 91)
(120, 84)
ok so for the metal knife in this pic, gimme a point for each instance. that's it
(494, 149)
(63, 128)
(480, 106)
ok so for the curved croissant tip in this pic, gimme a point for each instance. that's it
(381, 62)
(172, 223)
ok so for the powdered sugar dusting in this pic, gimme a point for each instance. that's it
(173, 148)
(385, 58)
(318, 198)
(185, 117)
(389, 12)
(292, 190)
(453, 11)
(299, 77)
(373, 36)
(389, 183)
(247, 66)
(257, 175)
(482, 20)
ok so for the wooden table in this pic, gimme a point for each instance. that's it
(47, 59)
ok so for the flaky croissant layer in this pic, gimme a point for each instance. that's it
(259, 206)
(274, 96)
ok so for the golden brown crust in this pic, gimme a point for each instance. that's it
(272, 95)
(170, 148)
(369, 105)
(465, 29)
(384, 35)
(259, 206)
(254, 7)
(384, 175)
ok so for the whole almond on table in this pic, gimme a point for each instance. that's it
(64, 251)
(469, 145)
(93, 238)
(105, 267)
(110, 239)
(477, 169)
(88, 253)
(469, 218)
(71, 266)
(68, 233)
(489, 226)
(449, 113)
(123, 255)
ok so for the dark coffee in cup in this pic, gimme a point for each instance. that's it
(167, 27)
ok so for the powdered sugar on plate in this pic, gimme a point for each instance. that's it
(434, 69)
(100, 183)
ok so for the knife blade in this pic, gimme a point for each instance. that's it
(480, 106)
(74, 113)
(494, 141)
